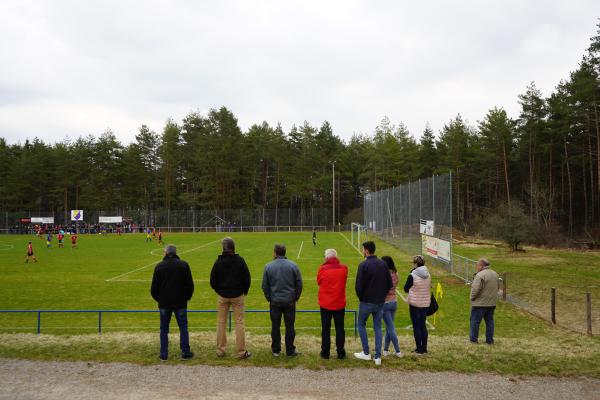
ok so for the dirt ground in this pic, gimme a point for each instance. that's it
(80, 380)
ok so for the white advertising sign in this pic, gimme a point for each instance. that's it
(42, 220)
(110, 220)
(436, 248)
(426, 227)
(76, 215)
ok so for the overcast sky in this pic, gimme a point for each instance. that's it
(71, 68)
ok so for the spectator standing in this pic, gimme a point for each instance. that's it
(282, 287)
(331, 278)
(389, 311)
(230, 279)
(418, 287)
(172, 287)
(373, 282)
(484, 296)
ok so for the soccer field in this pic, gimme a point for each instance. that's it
(114, 272)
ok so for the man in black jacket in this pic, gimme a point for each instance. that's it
(373, 282)
(230, 278)
(172, 287)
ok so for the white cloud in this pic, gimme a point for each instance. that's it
(74, 68)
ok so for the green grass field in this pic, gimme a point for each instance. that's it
(115, 272)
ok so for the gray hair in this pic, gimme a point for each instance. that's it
(330, 253)
(279, 250)
(484, 262)
(170, 249)
(228, 244)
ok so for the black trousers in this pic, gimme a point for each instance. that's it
(340, 333)
(288, 311)
(418, 316)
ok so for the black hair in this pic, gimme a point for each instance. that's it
(389, 262)
(279, 250)
(369, 246)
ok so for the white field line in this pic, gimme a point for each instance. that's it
(8, 246)
(350, 243)
(426, 323)
(401, 296)
(300, 251)
(113, 279)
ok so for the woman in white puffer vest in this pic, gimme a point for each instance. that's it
(418, 287)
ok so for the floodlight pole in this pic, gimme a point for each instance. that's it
(333, 193)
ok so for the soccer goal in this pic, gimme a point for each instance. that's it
(358, 234)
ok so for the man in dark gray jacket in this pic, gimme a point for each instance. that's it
(282, 286)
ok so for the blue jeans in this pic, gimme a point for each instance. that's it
(418, 316)
(182, 322)
(477, 314)
(364, 310)
(389, 312)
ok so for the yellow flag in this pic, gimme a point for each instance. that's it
(439, 292)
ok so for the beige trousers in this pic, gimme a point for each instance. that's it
(237, 304)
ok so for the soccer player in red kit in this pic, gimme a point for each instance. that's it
(73, 240)
(30, 253)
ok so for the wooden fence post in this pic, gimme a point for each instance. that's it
(553, 305)
(588, 297)
(504, 286)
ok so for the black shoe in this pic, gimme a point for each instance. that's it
(188, 356)
(324, 356)
(341, 356)
(163, 359)
(294, 354)
(246, 354)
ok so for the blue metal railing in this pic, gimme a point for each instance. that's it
(100, 312)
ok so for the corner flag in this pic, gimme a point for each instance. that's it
(439, 293)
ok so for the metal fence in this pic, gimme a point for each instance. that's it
(100, 313)
(396, 213)
(192, 220)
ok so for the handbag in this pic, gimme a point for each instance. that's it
(433, 306)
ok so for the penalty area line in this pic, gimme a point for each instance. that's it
(300, 251)
(116, 278)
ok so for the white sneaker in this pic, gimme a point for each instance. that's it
(386, 353)
(377, 361)
(363, 356)
(399, 354)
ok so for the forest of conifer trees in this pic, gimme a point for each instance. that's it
(545, 160)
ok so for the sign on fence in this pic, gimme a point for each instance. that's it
(42, 220)
(110, 220)
(436, 248)
(426, 227)
(76, 215)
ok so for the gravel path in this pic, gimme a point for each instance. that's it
(80, 380)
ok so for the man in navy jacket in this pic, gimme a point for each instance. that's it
(373, 282)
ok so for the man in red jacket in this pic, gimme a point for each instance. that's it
(331, 279)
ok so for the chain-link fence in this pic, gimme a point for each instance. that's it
(400, 215)
(253, 220)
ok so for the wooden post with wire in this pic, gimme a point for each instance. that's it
(588, 298)
(553, 305)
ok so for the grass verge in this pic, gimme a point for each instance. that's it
(560, 355)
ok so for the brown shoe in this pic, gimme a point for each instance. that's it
(246, 354)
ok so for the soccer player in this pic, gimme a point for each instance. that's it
(74, 240)
(148, 235)
(314, 237)
(30, 253)
(160, 241)
(49, 240)
(153, 233)
(60, 237)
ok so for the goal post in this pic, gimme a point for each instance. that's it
(358, 234)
